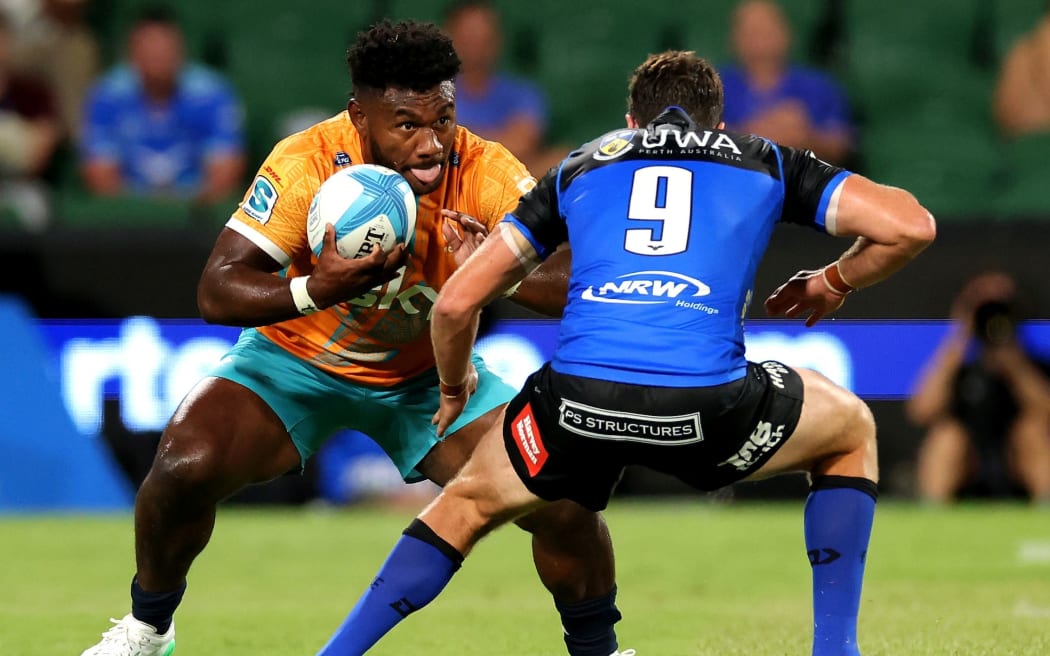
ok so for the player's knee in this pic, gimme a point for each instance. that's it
(860, 433)
(477, 510)
(564, 520)
(865, 427)
(186, 462)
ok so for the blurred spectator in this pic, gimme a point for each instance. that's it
(1022, 94)
(984, 401)
(57, 46)
(161, 126)
(29, 134)
(509, 110)
(767, 95)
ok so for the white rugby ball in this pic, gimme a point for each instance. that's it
(369, 205)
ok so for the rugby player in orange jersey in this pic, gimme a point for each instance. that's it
(335, 343)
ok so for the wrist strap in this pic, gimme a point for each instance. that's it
(301, 297)
(452, 391)
(833, 279)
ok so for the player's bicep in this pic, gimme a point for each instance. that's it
(519, 243)
(878, 212)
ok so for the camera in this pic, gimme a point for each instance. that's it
(994, 323)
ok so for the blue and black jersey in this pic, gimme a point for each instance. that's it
(667, 226)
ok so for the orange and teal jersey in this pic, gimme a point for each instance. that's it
(383, 337)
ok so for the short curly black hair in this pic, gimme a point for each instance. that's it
(406, 55)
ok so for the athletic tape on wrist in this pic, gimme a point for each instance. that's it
(301, 297)
(833, 279)
(452, 391)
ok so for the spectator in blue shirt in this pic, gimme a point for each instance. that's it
(160, 126)
(509, 110)
(767, 95)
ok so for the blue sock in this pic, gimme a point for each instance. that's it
(588, 626)
(415, 572)
(155, 608)
(838, 518)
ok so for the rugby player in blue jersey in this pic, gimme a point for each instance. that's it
(667, 221)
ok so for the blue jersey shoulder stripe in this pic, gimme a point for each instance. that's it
(513, 220)
(825, 198)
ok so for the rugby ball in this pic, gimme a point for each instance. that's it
(370, 206)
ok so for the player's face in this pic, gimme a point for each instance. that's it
(157, 52)
(411, 132)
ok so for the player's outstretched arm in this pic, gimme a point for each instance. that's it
(495, 267)
(546, 289)
(238, 287)
(891, 228)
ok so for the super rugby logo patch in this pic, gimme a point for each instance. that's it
(259, 205)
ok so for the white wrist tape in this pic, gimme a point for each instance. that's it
(301, 297)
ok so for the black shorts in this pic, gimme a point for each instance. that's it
(570, 437)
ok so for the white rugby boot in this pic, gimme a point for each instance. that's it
(130, 637)
(625, 652)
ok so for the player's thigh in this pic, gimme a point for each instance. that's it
(484, 494)
(835, 434)
(490, 477)
(419, 449)
(448, 456)
(225, 436)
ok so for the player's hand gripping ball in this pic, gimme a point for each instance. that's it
(369, 205)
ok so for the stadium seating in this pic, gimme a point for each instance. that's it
(1025, 179)
(919, 74)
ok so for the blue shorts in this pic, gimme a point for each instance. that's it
(314, 404)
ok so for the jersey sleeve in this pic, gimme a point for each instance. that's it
(274, 209)
(811, 189)
(539, 218)
(500, 181)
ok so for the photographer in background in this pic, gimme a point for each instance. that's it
(984, 401)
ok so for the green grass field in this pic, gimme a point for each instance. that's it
(695, 578)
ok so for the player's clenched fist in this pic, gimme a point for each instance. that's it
(336, 279)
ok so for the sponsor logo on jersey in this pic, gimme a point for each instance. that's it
(390, 295)
(453, 159)
(687, 142)
(273, 175)
(613, 145)
(759, 443)
(527, 436)
(259, 205)
(618, 426)
(342, 159)
(652, 288)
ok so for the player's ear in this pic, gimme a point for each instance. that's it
(721, 125)
(631, 123)
(357, 114)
